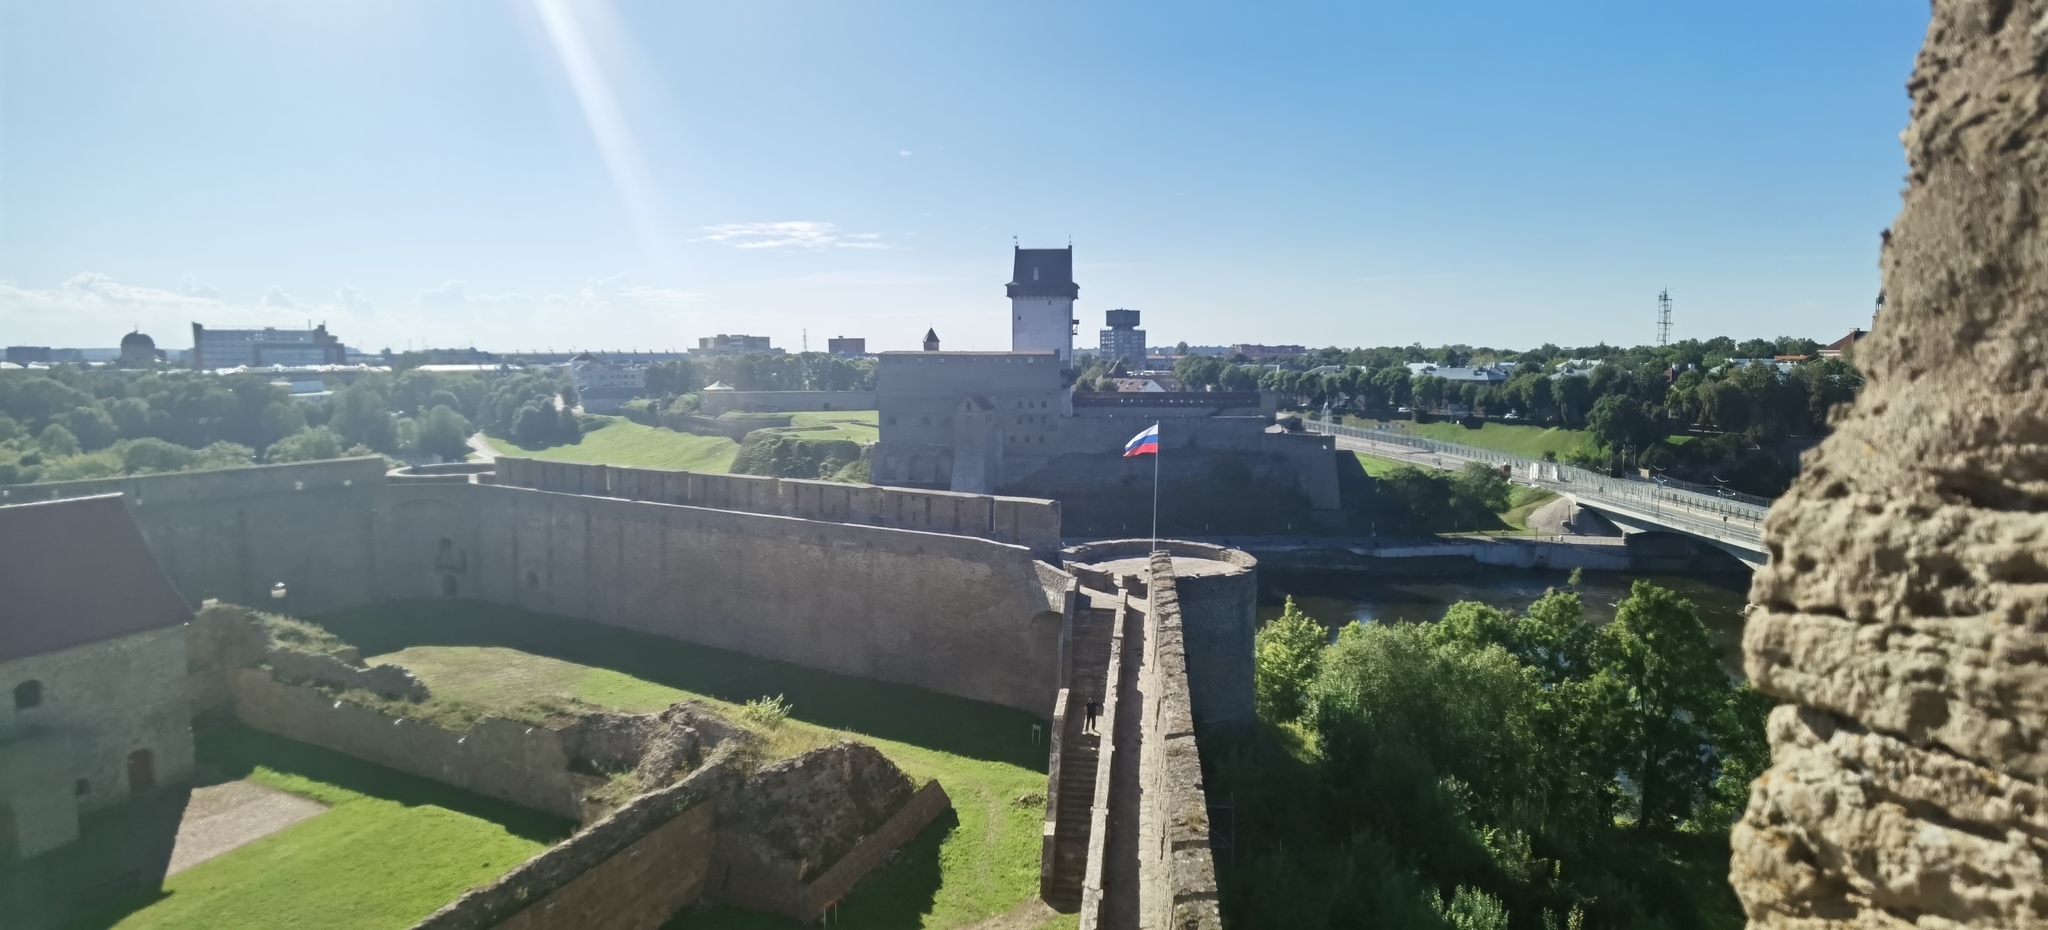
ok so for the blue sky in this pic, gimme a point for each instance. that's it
(579, 173)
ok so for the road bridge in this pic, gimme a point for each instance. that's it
(1726, 520)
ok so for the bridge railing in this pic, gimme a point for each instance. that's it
(1699, 508)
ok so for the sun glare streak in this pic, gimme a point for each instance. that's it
(609, 128)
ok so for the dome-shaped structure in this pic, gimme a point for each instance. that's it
(139, 351)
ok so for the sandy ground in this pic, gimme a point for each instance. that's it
(220, 818)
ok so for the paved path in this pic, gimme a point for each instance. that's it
(482, 447)
(221, 818)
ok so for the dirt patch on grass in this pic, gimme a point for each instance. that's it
(224, 817)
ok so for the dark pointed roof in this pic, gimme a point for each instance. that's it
(78, 571)
(1044, 273)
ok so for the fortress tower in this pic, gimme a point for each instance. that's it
(1042, 293)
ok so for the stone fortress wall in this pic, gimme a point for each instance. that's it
(1903, 615)
(1032, 523)
(955, 613)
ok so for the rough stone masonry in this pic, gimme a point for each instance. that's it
(1904, 608)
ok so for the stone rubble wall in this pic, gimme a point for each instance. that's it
(874, 850)
(502, 758)
(228, 636)
(633, 869)
(1903, 614)
(668, 848)
(322, 668)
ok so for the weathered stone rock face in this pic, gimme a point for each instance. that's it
(1906, 600)
(652, 746)
(808, 811)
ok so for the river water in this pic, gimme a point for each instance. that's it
(1336, 597)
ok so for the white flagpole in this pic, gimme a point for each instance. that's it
(1155, 487)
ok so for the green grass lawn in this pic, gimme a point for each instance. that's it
(623, 442)
(393, 848)
(1524, 501)
(858, 425)
(1526, 441)
(977, 863)
(1377, 466)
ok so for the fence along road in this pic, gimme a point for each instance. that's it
(1730, 520)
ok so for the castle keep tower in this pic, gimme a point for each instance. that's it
(1042, 293)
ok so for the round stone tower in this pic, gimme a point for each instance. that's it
(1219, 599)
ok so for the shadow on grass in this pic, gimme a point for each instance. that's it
(145, 828)
(897, 895)
(880, 709)
(236, 750)
(115, 868)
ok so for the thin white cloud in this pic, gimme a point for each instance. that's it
(354, 300)
(790, 234)
(903, 153)
(191, 287)
(451, 295)
(276, 297)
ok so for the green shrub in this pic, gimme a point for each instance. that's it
(766, 712)
(766, 452)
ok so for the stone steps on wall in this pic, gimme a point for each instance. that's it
(1078, 762)
(1079, 758)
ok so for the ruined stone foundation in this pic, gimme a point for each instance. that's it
(1903, 610)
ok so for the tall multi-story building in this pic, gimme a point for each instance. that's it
(28, 355)
(256, 347)
(723, 344)
(845, 347)
(1042, 294)
(1123, 340)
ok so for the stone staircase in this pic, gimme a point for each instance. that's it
(1079, 758)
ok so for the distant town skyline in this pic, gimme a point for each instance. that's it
(639, 175)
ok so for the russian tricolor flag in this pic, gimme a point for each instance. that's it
(1145, 443)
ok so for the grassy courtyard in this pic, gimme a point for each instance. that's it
(620, 441)
(392, 849)
(977, 863)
